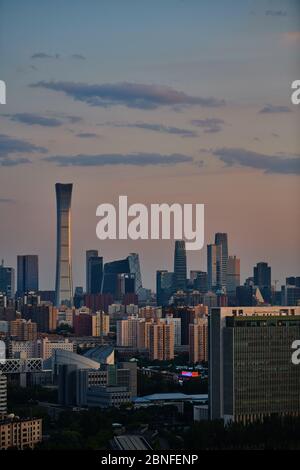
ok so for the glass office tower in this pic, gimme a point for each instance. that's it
(63, 283)
(180, 265)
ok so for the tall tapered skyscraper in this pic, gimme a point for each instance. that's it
(180, 265)
(63, 283)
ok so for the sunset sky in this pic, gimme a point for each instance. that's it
(162, 101)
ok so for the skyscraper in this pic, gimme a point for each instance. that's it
(221, 240)
(180, 272)
(28, 274)
(63, 283)
(290, 293)
(262, 280)
(199, 280)
(213, 267)
(134, 268)
(164, 287)
(110, 275)
(94, 274)
(251, 374)
(116, 271)
(233, 275)
(89, 254)
(7, 280)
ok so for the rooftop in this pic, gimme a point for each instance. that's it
(99, 354)
(170, 397)
(130, 442)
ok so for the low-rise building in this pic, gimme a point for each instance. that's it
(20, 433)
(106, 397)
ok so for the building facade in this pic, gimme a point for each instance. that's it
(7, 280)
(251, 374)
(20, 433)
(63, 282)
(180, 270)
(198, 340)
(3, 395)
(27, 274)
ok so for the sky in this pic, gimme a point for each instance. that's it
(174, 101)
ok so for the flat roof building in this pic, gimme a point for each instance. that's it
(251, 373)
(22, 433)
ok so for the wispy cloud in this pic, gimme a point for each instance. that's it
(155, 128)
(10, 146)
(78, 57)
(271, 109)
(50, 120)
(131, 95)
(210, 125)
(73, 119)
(87, 135)
(268, 163)
(276, 13)
(44, 55)
(34, 119)
(6, 200)
(136, 159)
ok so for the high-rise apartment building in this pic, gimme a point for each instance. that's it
(161, 340)
(180, 272)
(28, 274)
(100, 324)
(251, 373)
(150, 313)
(131, 332)
(23, 330)
(168, 319)
(45, 316)
(3, 395)
(198, 340)
(63, 283)
(83, 322)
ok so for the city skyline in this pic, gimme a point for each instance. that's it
(217, 274)
(188, 102)
(149, 242)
